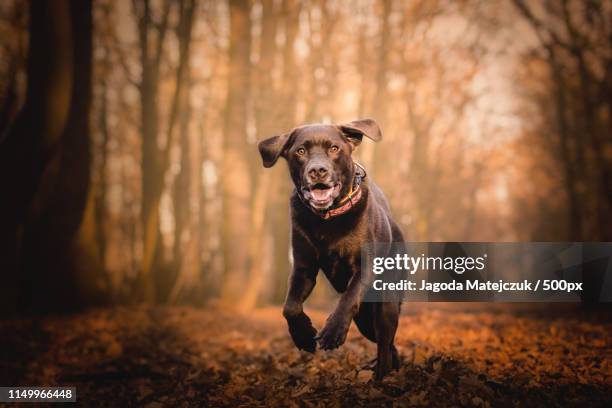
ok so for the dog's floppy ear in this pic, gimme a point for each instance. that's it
(357, 129)
(272, 148)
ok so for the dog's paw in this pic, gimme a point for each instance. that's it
(303, 333)
(333, 335)
(382, 368)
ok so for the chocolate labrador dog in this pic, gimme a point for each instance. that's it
(335, 209)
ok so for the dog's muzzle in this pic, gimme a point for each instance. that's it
(321, 196)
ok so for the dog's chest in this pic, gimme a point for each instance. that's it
(338, 245)
(339, 262)
(337, 269)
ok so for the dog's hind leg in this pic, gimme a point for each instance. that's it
(386, 318)
(364, 319)
(395, 360)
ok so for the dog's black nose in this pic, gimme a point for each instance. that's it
(317, 172)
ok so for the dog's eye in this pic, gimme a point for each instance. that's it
(334, 149)
(301, 151)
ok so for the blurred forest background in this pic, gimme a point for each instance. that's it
(128, 164)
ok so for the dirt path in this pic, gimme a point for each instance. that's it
(184, 357)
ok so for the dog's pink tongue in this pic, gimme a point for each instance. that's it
(321, 195)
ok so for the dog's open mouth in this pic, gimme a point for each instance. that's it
(321, 195)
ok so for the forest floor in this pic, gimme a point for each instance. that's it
(473, 355)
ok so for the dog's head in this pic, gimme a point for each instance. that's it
(319, 157)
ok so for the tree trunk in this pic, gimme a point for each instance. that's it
(256, 243)
(236, 179)
(291, 18)
(36, 133)
(183, 231)
(379, 105)
(574, 219)
(154, 159)
(266, 107)
(49, 202)
(266, 102)
(101, 186)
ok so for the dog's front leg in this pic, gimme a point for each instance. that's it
(336, 327)
(300, 327)
(301, 283)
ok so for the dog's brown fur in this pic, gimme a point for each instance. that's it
(320, 155)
